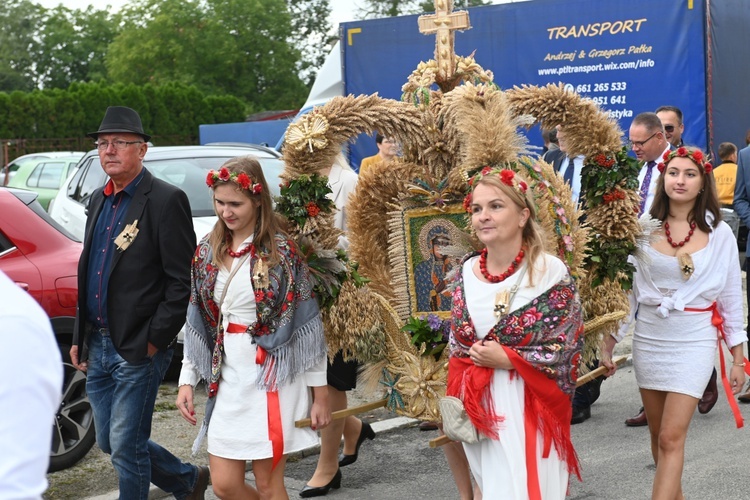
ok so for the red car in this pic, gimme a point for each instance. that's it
(42, 258)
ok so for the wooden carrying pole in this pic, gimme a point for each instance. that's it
(440, 441)
(306, 422)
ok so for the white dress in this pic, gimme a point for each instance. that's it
(499, 467)
(239, 424)
(674, 350)
(674, 354)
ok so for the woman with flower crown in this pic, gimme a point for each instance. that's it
(687, 283)
(515, 342)
(255, 336)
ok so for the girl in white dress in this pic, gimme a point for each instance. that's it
(515, 342)
(685, 283)
(254, 334)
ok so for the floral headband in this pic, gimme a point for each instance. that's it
(240, 178)
(507, 177)
(694, 155)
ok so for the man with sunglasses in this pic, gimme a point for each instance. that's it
(671, 118)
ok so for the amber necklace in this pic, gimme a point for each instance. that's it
(497, 279)
(680, 243)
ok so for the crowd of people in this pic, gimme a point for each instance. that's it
(255, 335)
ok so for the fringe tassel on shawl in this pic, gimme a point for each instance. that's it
(196, 347)
(473, 385)
(304, 350)
(550, 427)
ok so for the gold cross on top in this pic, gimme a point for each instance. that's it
(444, 22)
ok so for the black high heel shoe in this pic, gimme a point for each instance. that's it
(365, 432)
(319, 491)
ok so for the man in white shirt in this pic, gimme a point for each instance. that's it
(32, 372)
(649, 143)
(569, 168)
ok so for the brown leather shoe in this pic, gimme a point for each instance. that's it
(428, 426)
(201, 484)
(638, 420)
(710, 395)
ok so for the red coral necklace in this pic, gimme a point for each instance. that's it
(497, 279)
(240, 252)
(680, 243)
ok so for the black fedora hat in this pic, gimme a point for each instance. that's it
(121, 119)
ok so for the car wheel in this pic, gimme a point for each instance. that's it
(73, 432)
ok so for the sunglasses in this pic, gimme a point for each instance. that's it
(669, 128)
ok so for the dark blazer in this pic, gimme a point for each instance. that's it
(555, 159)
(149, 284)
(742, 190)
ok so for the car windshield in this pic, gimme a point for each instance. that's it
(189, 174)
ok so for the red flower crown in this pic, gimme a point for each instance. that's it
(240, 178)
(507, 177)
(693, 154)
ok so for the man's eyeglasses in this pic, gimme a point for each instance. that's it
(640, 144)
(119, 145)
(390, 141)
(669, 128)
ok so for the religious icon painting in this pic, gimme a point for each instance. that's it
(426, 245)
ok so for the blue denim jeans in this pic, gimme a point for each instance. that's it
(122, 396)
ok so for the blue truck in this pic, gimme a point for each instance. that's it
(629, 57)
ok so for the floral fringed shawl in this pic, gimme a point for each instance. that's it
(288, 330)
(543, 340)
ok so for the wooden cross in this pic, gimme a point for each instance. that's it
(444, 22)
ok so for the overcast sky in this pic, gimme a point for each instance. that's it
(341, 10)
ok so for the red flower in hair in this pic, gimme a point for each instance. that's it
(224, 174)
(697, 156)
(523, 186)
(682, 151)
(257, 188)
(708, 168)
(210, 181)
(243, 180)
(665, 156)
(661, 167)
(486, 170)
(506, 176)
(467, 202)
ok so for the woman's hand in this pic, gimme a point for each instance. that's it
(737, 378)
(605, 356)
(184, 403)
(320, 413)
(489, 355)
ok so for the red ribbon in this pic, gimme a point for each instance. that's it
(718, 322)
(275, 429)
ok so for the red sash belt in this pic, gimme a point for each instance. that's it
(275, 429)
(718, 322)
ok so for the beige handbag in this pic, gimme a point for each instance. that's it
(456, 423)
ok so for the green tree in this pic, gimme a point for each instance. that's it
(72, 46)
(19, 21)
(234, 47)
(312, 33)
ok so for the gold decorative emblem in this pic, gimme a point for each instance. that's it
(309, 131)
(127, 236)
(686, 265)
(260, 275)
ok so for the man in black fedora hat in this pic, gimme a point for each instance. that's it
(133, 291)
